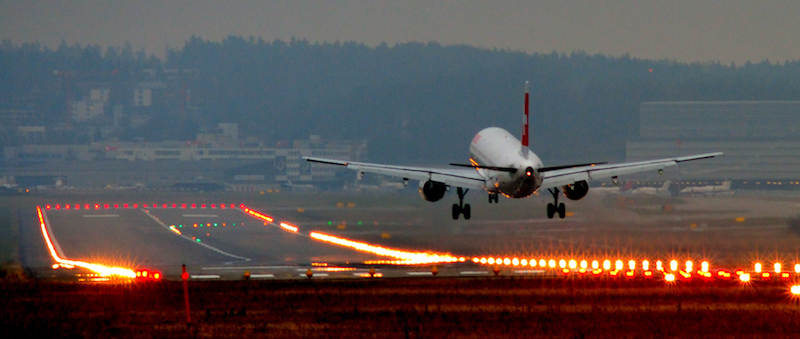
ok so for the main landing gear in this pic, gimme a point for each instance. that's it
(555, 207)
(460, 207)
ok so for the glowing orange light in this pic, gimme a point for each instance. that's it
(744, 277)
(659, 265)
(785, 275)
(258, 215)
(689, 265)
(777, 267)
(758, 267)
(618, 265)
(288, 227)
(551, 263)
(491, 261)
(648, 274)
(565, 271)
(597, 271)
(584, 264)
(582, 270)
(607, 264)
(765, 275)
(515, 262)
(630, 274)
(562, 263)
(673, 265)
(572, 264)
(103, 271)
(795, 289)
(669, 277)
(595, 264)
(797, 268)
(704, 266)
(632, 265)
(506, 261)
(523, 262)
(645, 265)
(483, 261)
(542, 263)
(408, 257)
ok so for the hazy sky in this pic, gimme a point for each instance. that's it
(683, 30)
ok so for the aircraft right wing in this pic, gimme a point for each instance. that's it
(466, 178)
(568, 176)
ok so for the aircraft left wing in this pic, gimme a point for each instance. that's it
(465, 178)
(568, 176)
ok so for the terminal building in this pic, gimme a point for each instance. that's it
(760, 139)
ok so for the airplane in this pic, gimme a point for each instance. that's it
(616, 189)
(501, 164)
(711, 189)
(652, 190)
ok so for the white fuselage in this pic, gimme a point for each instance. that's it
(496, 147)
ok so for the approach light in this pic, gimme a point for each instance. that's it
(704, 266)
(744, 277)
(689, 265)
(523, 262)
(552, 263)
(515, 262)
(757, 267)
(673, 265)
(562, 263)
(632, 265)
(607, 264)
(595, 264)
(572, 264)
(777, 267)
(584, 265)
(618, 265)
(645, 265)
(795, 289)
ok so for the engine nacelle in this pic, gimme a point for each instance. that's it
(576, 191)
(432, 190)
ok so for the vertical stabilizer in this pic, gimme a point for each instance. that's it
(524, 138)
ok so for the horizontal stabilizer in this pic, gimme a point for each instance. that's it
(545, 169)
(493, 168)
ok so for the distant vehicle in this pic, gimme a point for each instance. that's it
(664, 189)
(725, 188)
(501, 164)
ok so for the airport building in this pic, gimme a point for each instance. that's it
(760, 139)
(216, 157)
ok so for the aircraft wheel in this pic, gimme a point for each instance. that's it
(456, 211)
(551, 211)
(466, 212)
(562, 210)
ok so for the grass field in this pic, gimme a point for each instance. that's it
(401, 308)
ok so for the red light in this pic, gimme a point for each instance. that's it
(565, 271)
(144, 205)
(221, 205)
(183, 206)
(203, 206)
(126, 205)
(156, 276)
(213, 206)
(174, 205)
(629, 274)
(106, 206)
(66, 207)
(597, 272)
(612, 273)
(648, 274)
(765, 275)
(87, 206)
(97, 206)
(135, 205)
(47, 207)
(77, 206)
(241, 205)
(164, 206)
(785, 275)
(58, 207)
(194, 205)
(234, 206)
(116, 205)
(155, 205)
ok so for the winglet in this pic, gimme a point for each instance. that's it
(524, 138)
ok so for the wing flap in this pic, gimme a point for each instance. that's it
(568, 176)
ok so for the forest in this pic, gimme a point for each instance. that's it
(411, 102)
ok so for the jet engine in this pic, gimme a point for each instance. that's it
(432, 190)
(576, 191)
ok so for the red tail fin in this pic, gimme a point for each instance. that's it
(524, 139)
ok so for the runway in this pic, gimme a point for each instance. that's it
(224, 243)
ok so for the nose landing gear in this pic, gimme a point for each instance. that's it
(555, 207)
(460, 207)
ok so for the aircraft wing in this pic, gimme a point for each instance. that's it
(568, 176)
(466, 178)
